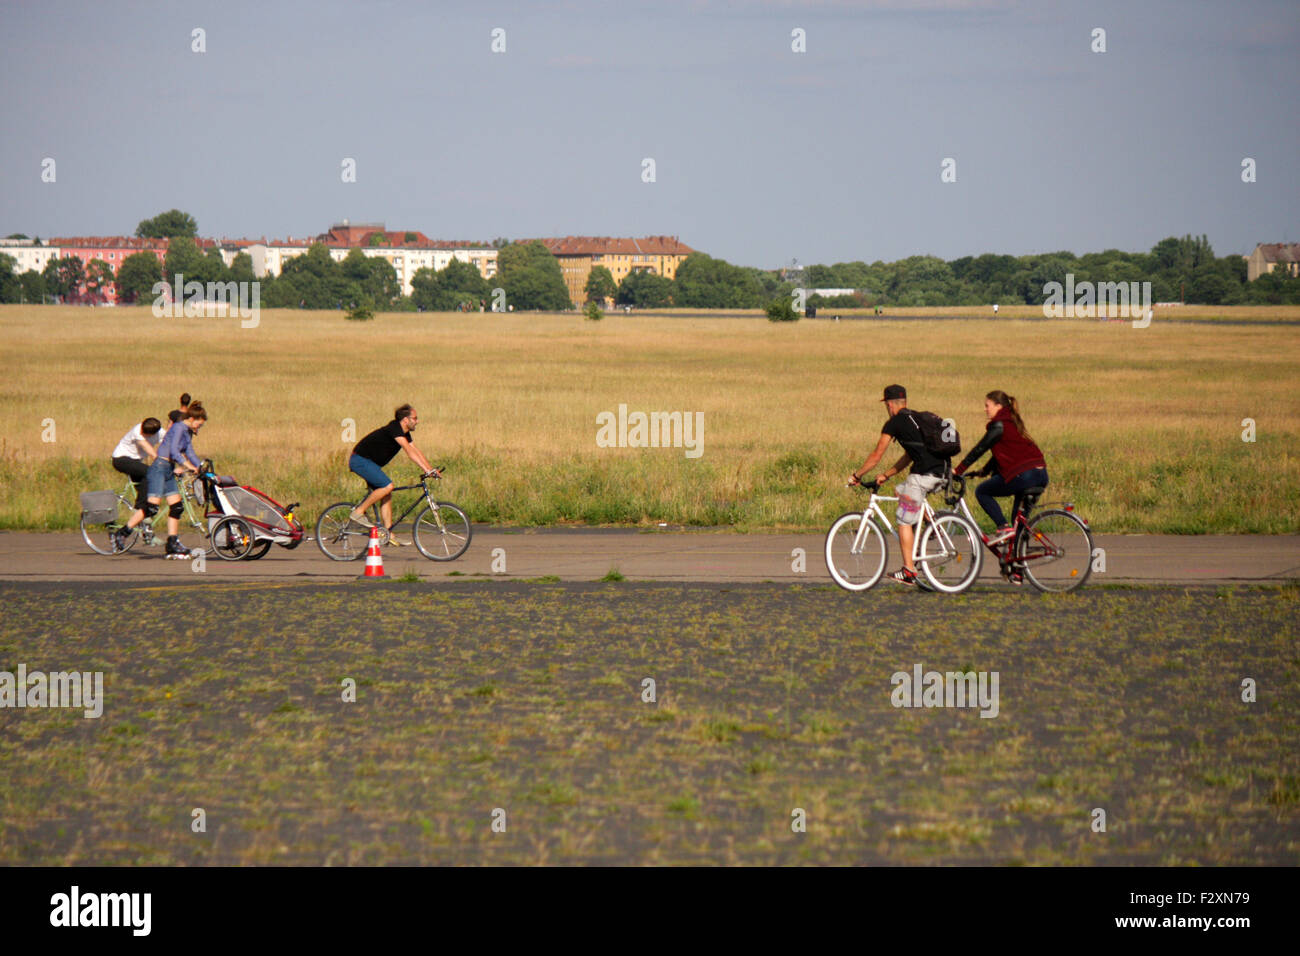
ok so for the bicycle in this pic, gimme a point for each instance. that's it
(441, 531)
(1053, 548)
(104, 512)
(945, 546)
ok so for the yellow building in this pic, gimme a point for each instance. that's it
(579, 254)
(1272, 255)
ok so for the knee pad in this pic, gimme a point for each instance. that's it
(150, 509)
(176, 510)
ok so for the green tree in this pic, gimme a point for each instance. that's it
(99, 276)
(241, 268)
(136, 277)
(703, 282)
(168, 225)
(64, 277)
(922, 281)
(33, 286)
(457, 286)
(1208, 288)
(184, 258)
(645, 290)
(312, 280)
(600, 285)
(532, 278)
(11, 287)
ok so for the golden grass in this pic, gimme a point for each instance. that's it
(1141, 427)
(1235, 313)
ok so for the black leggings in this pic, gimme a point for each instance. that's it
(136, 470)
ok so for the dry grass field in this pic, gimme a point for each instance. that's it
(1142, 427)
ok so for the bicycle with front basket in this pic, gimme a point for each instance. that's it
(104, 512)
(1053, 549)
(441, 531)
(946, 546)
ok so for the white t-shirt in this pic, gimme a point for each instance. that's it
(127, 447)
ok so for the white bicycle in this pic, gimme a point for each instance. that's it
(947, 548)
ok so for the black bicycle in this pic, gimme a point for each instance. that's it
(441, 531)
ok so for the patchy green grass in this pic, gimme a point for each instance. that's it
(475, 696)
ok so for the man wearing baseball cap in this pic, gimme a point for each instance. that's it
(926, 475)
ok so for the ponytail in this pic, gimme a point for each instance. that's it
(1009, 402)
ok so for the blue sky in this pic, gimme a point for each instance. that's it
(762, 155)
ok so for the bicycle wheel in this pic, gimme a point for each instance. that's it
(1055, 551)
(338, 536)
(99, 537)
(860, 568)
(950, 552)
(258, 551)
(442, 532)
(232, 538)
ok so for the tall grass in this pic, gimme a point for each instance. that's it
(1141, 427)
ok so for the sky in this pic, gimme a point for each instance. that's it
(761, 155)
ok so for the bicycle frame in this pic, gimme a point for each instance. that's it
(1019, 521)
(426, 498)
(874, 511)
(188, 499)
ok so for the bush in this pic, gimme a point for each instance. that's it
(360, 313)
(782, 310)
(593, 312)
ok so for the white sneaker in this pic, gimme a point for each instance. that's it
(392, 539)
(360, 519)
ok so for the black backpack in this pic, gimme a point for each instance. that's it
(935, 432)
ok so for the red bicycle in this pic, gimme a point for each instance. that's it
(1052, 549)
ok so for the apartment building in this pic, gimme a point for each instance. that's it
(578, 255)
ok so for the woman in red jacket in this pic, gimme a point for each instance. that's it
(1017, 461)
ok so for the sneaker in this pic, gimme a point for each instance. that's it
(904, 577)
(360, 519)
(118, 540)
(392, 539)
(1001, 535)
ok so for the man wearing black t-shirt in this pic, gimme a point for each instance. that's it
(375, 451)
(926, 476)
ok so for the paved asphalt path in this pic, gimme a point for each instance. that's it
(655, 555)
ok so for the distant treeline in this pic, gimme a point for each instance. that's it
(530, 276)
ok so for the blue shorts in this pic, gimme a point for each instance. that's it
(161, 481)
(374, 475)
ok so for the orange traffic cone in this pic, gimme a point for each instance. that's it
(374, 560)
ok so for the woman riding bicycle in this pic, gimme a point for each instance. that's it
(1017, 461)
(175, 451)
